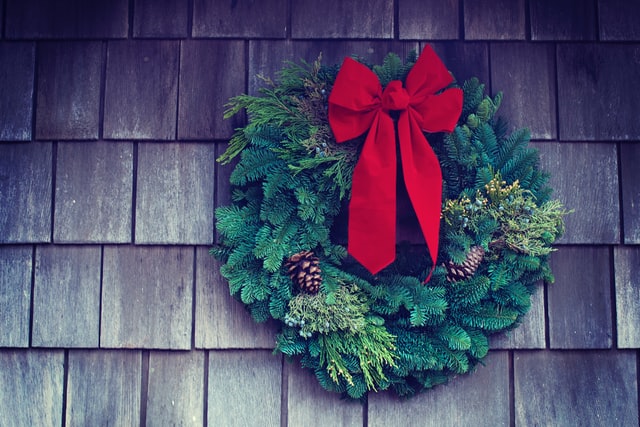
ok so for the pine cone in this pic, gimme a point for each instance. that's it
(303, 268)
(469, 266)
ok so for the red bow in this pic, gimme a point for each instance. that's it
(357, 103)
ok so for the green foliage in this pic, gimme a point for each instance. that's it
(489, 317)
(393, 68)
(341, 310)
(371, 350)
(507, 215)
(390, 331)
(295, 105)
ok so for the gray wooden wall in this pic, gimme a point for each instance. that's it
(111, 310)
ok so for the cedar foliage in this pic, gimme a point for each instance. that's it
(361, 333)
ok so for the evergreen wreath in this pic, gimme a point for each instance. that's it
(282, 239)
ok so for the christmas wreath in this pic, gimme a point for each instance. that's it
(321, 145)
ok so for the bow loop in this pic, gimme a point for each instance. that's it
(358, 104)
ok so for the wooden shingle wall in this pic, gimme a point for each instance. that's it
(112, 311)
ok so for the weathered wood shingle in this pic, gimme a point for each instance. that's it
(203, 95)
(595, 200)
(494, 20)
(141, 93)
(160, 18)
(466, 60)
(25, 192)
(220, 320)
(15, 295)
(223, 174)
(266, 57)
(104, 387)
(477, 399)
(174, 193)
(17, 67)
(530, 91)
(428, 20)
(630, 176)
(125, 99)
(576, 388)
(68, 96)
(265, 18)
(67, 19)
(627, 277)
(563, 20)
(597, 84)
(147, 297)
(66, 296)
(339, 19)
(580, 300)
(175, 388)
(618, 20)
(309, 405)
(244, 386)
(93, 203)
(31, 385)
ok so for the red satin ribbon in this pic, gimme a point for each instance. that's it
(358, 104)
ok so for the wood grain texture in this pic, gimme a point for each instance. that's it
(584, 177)
(223, 174)
(66, 296)
(477, 400)
(67, 19)
(627, 276)
(466, 60)
(246, 19)
(203, 95)
(15, 295)
(102, 85)
(630, 177)
(309, 405)
(580, 299)
(429, 20)
(141, 93)
(494, 20)
(94, 191)
(31, 384)
(266, 57)
(103, 388)
(596, 83)
(220, 320)
(617, 20)
(176, 388)
(160, 18)
(17, 67)
(244, 388)
(531, 333)
(147, 297)
(25, 192)
(68, 90)
(338, 19)
(529, 92)
(174, 197)
(595, 388)
(563, 20)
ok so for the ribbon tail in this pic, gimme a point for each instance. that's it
(372, 209)
(423, 179)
